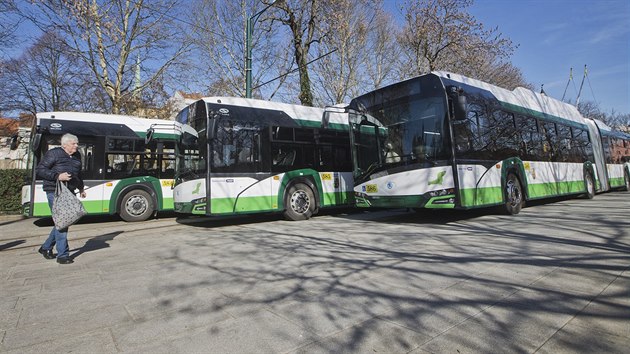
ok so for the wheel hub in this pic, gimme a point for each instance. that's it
(514, 194)
(136, 205)
(300, 202)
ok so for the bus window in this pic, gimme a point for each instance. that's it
(235, 147)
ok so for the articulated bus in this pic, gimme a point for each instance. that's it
(250, 156)
(442, 140)
(128, 162)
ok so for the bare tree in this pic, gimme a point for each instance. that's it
(344, 51)
(442, 35)
(9, 21)
(221, 45)
(305, 20)
(384, 51)
(110, 35)
(45, 78)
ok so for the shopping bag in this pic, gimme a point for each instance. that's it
(67, 208)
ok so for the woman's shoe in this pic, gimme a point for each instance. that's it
(48, 254)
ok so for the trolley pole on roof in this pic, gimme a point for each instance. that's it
(248, 49)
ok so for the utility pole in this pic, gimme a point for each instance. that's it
(251, 21)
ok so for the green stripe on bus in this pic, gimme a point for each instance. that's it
(475, 197)
(539, 190)
(337, 198)
(244, 204)
(617, 182)
(91, 206)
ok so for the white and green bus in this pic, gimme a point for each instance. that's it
(251, 156)
(442, 140)
(125, 171)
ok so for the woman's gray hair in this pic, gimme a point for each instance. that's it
(68, 138)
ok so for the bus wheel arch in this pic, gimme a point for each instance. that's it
(300, 201)
(513, 193)
(136, 204)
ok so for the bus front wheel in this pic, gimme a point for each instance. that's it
(589, 184)
(136, 205)
(299, 202)
(513, 195)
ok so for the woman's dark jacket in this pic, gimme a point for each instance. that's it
(55, 162)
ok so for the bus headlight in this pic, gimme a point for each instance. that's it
(442, 192)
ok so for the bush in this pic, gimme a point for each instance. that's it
(11, 182)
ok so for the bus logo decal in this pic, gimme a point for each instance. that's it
(326, 177)
(390, 185)
(439, 179)
(55, 125)
(224, 111)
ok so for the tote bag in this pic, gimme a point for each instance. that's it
(67, 208)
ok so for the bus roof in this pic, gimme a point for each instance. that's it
(295, 111)
(107, 124)
(521, 98)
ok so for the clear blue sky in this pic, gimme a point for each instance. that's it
(556, 35)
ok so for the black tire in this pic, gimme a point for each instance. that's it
(299, 202)
(589, 185)
(513, 195)
(136, 205)
(627, 181)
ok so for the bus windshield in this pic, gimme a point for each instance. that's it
(389, 133)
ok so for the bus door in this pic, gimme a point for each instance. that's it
(92, 171)
(238, 181)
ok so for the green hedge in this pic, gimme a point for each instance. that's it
(11, 182)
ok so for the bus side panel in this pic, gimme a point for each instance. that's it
(336, 188)
(411, 189)
(479, 186)
(190, 197)
(240, 195)
(547, 179)
(615, 175)
(93, 202)
(167, 194)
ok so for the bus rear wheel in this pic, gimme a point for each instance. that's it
(589, 184)
(136, 205)
(513, 195)
(299, 202)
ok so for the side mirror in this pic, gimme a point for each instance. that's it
(458, 102)
(460, 108)
(212, 127)
(15, 142)
(149, 136)
(37, 140)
